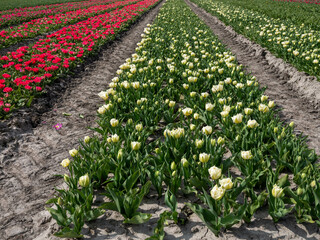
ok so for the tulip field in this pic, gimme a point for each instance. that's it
(180, 118)
(169, 118)
(28, 69)
(291, 34)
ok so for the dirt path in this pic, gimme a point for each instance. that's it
(29, 157)
(294, 92)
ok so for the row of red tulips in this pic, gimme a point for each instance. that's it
(20, 15)
(27, 70)
(43, 25)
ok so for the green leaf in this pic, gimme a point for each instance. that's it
(52, 200)
(93, 214)
(66, 114)
(306, 218)
(30, 101)
(211, 221)
(170, 200)
(110, 206)
(232, 218)
(138, 218)
(131, 180)
(58, 216)
(68, 233)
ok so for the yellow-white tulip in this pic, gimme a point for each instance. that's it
(214, 172)
(226, 183)
(277, 191)
(217, 192)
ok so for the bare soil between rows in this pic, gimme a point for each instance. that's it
(31, 149)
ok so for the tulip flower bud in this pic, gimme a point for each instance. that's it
(115, 138)
(275, 130)
(65, 162)
(277, 191)
(135, 146)
(226, 183)
(114, 122)
(252, 124)
(120, 154)
(173, 166)
(156, 174)
(184, 162)
(199, 143)
(66, 178)
(207, 130)
(187, 112)
(217, 192)
(291, 124)
(215, 172)
(300, 191)
(313, 183)
(101, 110)
(213, 142)
(84, 181)
(221, 141)
(193, 94)
(209, 107)
(73, 152)
(204, 157)
(237, 138)
(271, 104)
(246, 155)
(172, 103)
(192, 127)
(130, 121)
(157, 150)
(60, 202)
(174, 173)
(86, 139)
(264, 98)
(303, 175)
(139, 127)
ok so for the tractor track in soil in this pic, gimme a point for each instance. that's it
(31, 149)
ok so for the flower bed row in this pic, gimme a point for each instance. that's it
(300, 13)
(20, 15)
(27, 70)
(43, 25)
(183, 114)
(298, 45)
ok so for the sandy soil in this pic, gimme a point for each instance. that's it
(31, 149)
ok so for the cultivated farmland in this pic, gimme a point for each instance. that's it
(177, 119)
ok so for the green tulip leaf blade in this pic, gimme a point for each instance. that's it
(68, 233)
(211, 221)
(132, 179)
(232, 218)
(58, 216)
(93, 214)
(138, 218)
